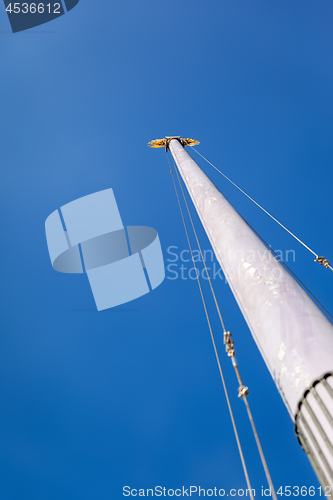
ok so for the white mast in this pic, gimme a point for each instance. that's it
(294, 337)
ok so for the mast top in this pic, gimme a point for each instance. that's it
(164, 143)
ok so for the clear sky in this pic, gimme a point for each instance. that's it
(91, 402)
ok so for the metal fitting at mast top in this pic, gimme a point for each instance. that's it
(164, 143)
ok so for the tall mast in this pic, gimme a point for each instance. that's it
(293, 335)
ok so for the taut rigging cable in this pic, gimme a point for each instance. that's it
(231, 353)
(243, 390)
(321, 260)
(287, 267)
(214, 345)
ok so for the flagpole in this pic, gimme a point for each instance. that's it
(293, 335)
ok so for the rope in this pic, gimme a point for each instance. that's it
(214, 345)
(203, 260)
(287, 267)
(321, 260)
(261, 453)
(243, 392)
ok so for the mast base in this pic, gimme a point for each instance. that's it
(314, 427)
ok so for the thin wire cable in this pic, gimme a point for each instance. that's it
(214, 346)
(254, 429)
(261, 453)
(203, 260)
(288, 268)
(249, 197)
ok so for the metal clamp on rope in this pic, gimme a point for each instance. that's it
(243, 391)
(323, 262)
(229, 344)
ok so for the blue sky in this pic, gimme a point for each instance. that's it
(91, 402)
